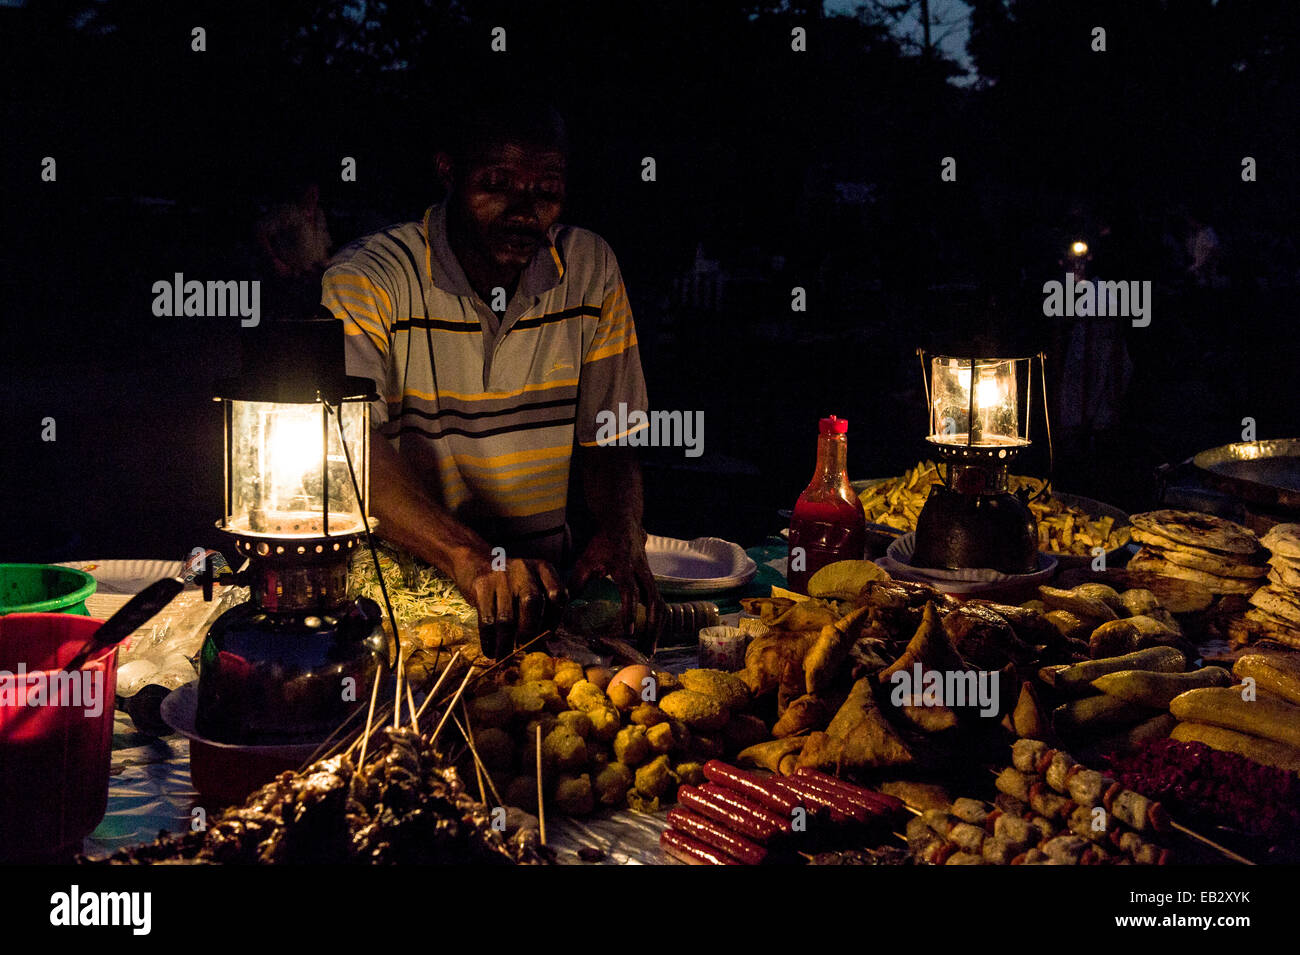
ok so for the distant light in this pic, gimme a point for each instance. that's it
(1079, 248)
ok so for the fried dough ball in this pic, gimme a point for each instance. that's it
(522, 792)
(546, 721)
(690, 774)
(585, 695)
(722, 686)
(495, 748)
(577, 722)
(564, 750)
(492, 709)
(567, 673)
(573, 795)
(537, 666)
(631, 746)
(655, 779)
(647, 714)
(696, 710)
(605, 723)
(660, 737)
(612, 783)
(527, 699)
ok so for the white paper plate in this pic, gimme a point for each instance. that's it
(126, 576)
(897, 561)
(703, 565)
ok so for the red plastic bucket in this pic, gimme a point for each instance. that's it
(56, 735)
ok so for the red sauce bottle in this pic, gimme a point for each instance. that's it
(828, 522)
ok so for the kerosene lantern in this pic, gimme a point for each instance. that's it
(292, 663)
(972, 520)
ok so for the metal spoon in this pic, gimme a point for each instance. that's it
(133, 615)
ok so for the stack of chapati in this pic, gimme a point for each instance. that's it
(1275, 609)
(1207, 556)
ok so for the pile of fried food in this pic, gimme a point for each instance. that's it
(613, 740)
(1062, 529)
(843, 683)
(836, 678)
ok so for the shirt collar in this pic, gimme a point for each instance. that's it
(443, 269)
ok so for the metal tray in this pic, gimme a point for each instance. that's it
(1260, 472)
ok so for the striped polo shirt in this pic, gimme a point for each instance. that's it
(486, 408)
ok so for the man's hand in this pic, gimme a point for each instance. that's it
(620, 555)
(516, 603)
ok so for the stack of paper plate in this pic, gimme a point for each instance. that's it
(700, 566)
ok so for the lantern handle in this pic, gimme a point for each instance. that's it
(929, 408)
(1047, 419)
(370, 539)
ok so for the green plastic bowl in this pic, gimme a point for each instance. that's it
(44, 588)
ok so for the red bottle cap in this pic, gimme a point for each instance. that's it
(833, 425)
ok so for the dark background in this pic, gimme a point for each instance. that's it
(775, 169)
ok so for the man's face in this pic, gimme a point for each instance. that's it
(507, 198)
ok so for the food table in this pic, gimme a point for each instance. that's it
(151, 789)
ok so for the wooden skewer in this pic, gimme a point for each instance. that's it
(1213, 845)
(441, 676)
(478, 763)
(397, 708)
(541, 808)
(410, 706)
(365, 737)
(451, 707)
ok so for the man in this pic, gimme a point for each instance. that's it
(495, 336)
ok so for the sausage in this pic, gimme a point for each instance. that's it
(709, 832)
(841, 807)
(861, 794)
(692, 851)
(726, 813)
(744, 804)
(750, 786)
